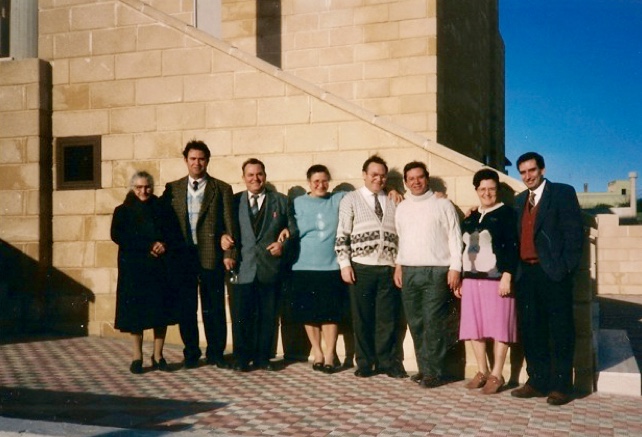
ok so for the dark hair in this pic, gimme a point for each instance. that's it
(485, 174)
(252, 161)
(539, 159)
(318, 168)
(197, 145)
(376, 159)
(415, 164)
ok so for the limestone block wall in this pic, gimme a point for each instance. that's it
(25, 190)
(381, 55)
(619, 256)
(435, 67)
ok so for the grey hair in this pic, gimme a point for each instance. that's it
(142, 175)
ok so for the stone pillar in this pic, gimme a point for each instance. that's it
(25, 193)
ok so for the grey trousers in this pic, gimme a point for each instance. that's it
(428, 303)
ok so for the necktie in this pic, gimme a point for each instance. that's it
(378, 209)
(531, 199)
(254, 207)
(195, 185)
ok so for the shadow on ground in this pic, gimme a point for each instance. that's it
(100, 410)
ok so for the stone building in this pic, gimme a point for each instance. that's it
(91, 90)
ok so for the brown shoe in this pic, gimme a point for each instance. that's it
(558, 398)
(527, 391)
(477, 382)
(493, 384)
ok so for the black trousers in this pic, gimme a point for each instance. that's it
(253, 308)
(545, 314)
(375, 305)
(210, 284)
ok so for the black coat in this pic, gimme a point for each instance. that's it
(145, 297)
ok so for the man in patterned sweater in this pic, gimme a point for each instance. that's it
(366, 248)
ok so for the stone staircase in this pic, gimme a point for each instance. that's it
(618, 345)
(617, 368)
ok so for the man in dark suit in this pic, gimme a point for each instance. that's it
(203, 207)
(550, 229)
(262, 215)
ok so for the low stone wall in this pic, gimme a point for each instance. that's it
(619, 257)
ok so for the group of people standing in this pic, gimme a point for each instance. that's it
(387, 256)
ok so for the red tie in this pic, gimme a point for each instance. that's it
(531, 199)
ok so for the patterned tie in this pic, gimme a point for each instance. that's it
(531, 199)
(254, 207)
(378, 209)
(195, 185)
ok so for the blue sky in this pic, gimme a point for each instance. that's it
(574, 87)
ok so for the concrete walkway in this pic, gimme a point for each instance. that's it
(82, 386)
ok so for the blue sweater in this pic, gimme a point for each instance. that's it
(316, 221)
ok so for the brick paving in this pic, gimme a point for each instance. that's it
(86, 381)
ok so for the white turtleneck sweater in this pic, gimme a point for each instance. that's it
(429, 233)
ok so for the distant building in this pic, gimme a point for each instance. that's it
(619, 197)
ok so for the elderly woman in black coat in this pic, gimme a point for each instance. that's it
(145, 230)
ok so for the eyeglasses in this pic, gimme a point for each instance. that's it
(142, 187)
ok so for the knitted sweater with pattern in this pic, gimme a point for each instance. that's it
(361, 237)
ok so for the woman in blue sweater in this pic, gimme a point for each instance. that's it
(319, 294)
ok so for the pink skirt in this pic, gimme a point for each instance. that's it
(486, 314)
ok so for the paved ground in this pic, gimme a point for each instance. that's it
(82, 386)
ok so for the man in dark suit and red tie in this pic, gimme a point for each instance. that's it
(203, 207)
(551, 234)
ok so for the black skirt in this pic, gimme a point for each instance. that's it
(318, 296)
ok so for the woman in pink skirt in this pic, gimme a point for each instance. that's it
(489, 261)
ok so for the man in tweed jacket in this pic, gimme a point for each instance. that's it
(366, 248)
(203, 207)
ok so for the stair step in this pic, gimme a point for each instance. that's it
(617, 369)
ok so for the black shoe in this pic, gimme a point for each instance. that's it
(160, 364)
(274, 367)
(317, 367)
(136, 367)
(329, 369)
(417, 377)
(364, 372)
(218, 362)
(396, 372)
(431, 382)
(241, 367)
(191, 363)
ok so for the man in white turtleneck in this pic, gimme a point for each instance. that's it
(427, 269)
